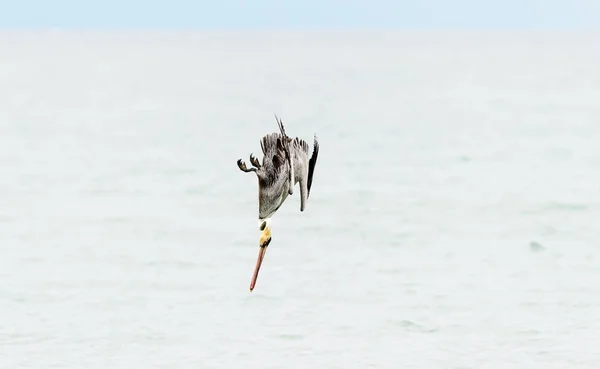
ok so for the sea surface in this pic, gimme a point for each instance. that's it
(453, 222)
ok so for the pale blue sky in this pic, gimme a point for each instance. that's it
(220, 14)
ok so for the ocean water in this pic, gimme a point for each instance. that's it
(454, 219)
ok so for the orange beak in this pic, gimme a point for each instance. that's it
(265, 239)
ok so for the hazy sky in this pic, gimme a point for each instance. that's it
(201, 14)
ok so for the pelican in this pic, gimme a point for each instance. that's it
(285, 162)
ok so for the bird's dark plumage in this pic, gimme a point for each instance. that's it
(285, 163)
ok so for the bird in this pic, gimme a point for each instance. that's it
(286, 162)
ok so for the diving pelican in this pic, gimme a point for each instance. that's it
(285, 162)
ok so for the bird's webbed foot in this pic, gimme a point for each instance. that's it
(243, 168)
(254, 161)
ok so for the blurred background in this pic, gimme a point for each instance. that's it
(452, 222)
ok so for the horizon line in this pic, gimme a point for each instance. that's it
(302, 28)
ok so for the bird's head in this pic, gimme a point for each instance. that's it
(265, 229)
(265, 240)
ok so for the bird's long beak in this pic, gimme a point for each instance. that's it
(265, 239)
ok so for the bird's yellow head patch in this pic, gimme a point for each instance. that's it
(265, 236)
